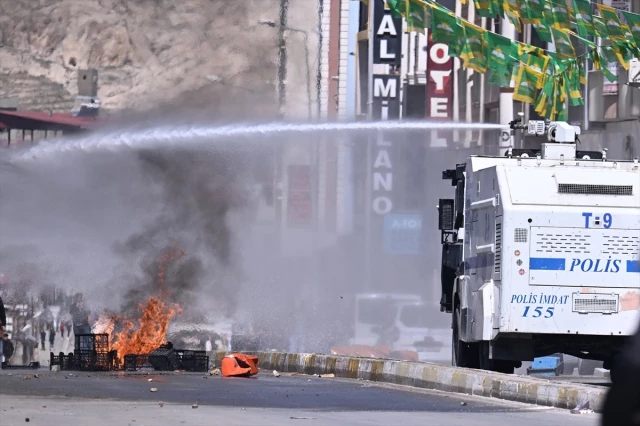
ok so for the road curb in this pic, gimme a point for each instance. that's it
(432, 376)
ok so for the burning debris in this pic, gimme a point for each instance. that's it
(151, 331)
(136, 344)
(163, 358)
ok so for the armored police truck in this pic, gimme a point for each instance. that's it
(540, 253)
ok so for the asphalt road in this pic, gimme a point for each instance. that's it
(125, 399)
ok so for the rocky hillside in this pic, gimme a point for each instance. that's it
(147, 52)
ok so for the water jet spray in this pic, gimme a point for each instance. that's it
(197, 137)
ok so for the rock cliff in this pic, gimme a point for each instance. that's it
(147, 52)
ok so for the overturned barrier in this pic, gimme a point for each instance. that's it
(432, 376)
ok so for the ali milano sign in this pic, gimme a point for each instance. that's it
(387, 49)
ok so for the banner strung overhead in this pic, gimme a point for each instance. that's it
(546, 79)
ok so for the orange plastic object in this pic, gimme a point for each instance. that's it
(239, 365)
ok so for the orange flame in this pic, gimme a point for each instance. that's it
(151, 331)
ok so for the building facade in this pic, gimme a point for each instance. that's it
(375, 197)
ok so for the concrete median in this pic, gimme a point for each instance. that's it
(432, 376)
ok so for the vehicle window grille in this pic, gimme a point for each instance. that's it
(583, 189)
(498, 249)
(595, 306)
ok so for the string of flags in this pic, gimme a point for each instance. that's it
(539, 77)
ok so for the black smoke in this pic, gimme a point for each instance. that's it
(190, 231)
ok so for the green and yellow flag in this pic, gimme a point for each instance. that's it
(564, 48)
(523, 12)
(500, 79)
(560, 106)
(536, 64)
(633, 20)
(583, 73)
(611, 20)
(417, 16)
(544, 103)
(543, 32)
(570, 8)
(561, 17)
(474, 54)
(600, 27)
(584, 17)
(534, 10)
(484, 8)
(500, 53)
(540, 14)
(587, 43)
(572, 77)
(607, 56)
(526, 84)
(498, 8)
(624, 55)
(512, 11)
(446, 28)
(397, 7)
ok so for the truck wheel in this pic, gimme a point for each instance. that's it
(497, 365)
(506, 367)
(614, 371)
(462, 353)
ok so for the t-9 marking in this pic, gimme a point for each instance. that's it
(607, 220)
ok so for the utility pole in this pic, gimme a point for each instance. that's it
(282, 99)
(282, 57)
(319, 68)
(507, 30)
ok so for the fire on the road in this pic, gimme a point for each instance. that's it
(155, 315)
(151, 331)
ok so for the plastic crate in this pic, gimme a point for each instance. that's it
(66, 362)
(134, 362)
(193, 361)
(95, 361)
(164, 358)
(92, 342)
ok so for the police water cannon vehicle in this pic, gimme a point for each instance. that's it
(541, 253)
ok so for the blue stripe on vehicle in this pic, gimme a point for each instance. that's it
(633, 266)
(546, 264)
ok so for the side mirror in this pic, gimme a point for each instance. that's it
(446, 215)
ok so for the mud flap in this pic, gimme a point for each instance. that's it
(488, 297)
